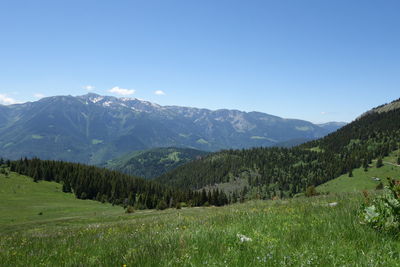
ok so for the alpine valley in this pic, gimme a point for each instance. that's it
(93, 129)
(265, 206)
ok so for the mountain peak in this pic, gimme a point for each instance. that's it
(388, 107)
(383, 108)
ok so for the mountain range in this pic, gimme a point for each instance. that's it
(285, 172)
(94, 129)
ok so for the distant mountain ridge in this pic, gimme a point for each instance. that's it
(282, 172)
(93, 128)
(332, 126)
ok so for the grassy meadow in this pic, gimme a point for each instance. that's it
(25, 204)
(363, 180)
(295, 232)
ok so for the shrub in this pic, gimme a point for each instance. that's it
(311, 191)
(351, 173)
(379, 186)
(130, 209)
(162, 205)
(379, 163)
(383, 212)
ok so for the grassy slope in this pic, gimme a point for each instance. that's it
(21, 201)
(363, 180)
(293, 232)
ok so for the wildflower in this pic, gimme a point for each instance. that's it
(244, 238)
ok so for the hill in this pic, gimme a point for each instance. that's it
(269, 172)
(394, 105)
(103, 185)
(153, 162)
(293, 142)
(71, 232)
(24, 202)
(364, 179)
(94, 129)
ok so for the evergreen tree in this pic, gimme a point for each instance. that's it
(379, 163)
(89, 182)
(162, 205)
(365, 165)
(66, 187)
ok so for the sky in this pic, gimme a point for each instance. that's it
(311, 59)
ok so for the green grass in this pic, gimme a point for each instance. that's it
(21, 201)
(97, 141)
(174, 156)
(317, 149)
(258, 137)
(295, 232)
(202, 141)
(362, 180)
(8, 145)
(303, 128)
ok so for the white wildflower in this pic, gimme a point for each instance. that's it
(333, 204)
(244, 238)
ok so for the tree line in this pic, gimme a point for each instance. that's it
(89, 182)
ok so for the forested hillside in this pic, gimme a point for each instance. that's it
(268, 172)
(153, 162)
(259, 172)
(88, 182)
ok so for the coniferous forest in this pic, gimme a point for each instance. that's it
(89, 182)
(269, 172)
(200, 133)
(287, 171)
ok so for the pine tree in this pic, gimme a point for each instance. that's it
(162, 205)
(66, 188)
(365, 165)
(379, 163)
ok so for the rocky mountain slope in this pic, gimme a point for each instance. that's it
(93, 128)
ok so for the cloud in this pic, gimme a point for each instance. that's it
(89, 87)
(323, 112)
(159, 92)
(5, 100)
(121, 91)
(39, 95)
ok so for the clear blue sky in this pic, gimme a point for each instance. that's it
(310, 59)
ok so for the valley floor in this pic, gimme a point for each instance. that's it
(296, 232)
